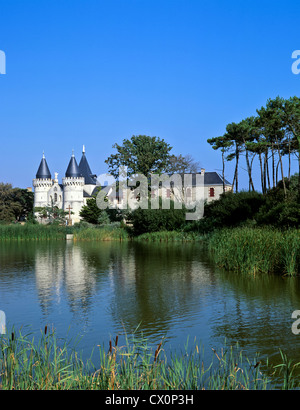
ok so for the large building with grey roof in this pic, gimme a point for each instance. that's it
(79, 184)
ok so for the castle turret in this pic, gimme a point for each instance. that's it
(90, 179)
(42, 184)
(73, 189)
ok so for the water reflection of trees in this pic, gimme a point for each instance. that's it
(148, 284)
(259, 315)
(158, 286)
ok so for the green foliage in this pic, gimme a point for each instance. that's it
(154, 220)
(252, 209)
(170, 236)
(17, 232)
(50, 363)
(111, 232)
(15, 203)
(141, 155)
(267, 137)
(256, 250)
(52, 214)
(90, 212)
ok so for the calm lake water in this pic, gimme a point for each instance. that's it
(172, 291)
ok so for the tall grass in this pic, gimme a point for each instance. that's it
(102, 233)
(56, 232)
(32, 232)
(256, 250)
(169, 236)
(50, 363)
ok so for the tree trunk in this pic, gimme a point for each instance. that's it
(261, 173)
(281, 166)
(249, 168)
(223, 171)
(273, 166)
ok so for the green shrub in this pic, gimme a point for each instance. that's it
(154, 220)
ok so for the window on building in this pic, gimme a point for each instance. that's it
(168, 193)
(55, 197)
(211, 192)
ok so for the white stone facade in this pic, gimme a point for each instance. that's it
(71, 194)
(79, 184)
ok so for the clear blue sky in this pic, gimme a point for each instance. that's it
(95, 72)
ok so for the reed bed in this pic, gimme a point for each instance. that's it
(103, 233)
(170, 236)
(256, 250)
(36, 232)
(49, 363)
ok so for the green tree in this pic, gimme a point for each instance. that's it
(141, 155)
(15, 203)
(90, 212)
(154, 220)
(52, 214)
(273, 128)
(223, 143)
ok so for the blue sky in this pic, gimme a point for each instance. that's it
(95, 72)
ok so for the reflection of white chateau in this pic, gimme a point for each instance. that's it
(77, 186)
(63, 269)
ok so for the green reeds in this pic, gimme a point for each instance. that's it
(256, 250)
(49, 363)
(32, 232)
(169, 236)
(103, 233)
(38, 232)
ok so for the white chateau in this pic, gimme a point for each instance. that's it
(79, 184)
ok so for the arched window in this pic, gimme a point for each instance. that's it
(55, 197)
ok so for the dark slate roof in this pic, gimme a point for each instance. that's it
(210, 178)
(43, 171)
(73, 169)
(213, 178)
(86, 172)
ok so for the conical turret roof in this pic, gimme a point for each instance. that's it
(85, 170)
(43, 171)
(73, 169)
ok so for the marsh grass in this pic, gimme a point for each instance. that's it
(256, 250)
(38, 232)
(50, 363)
(169, 236)
(17, 232)
(101, 233)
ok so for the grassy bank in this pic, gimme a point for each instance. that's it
(32, 232)
(256, 250)
(111, 232)
(49, 363)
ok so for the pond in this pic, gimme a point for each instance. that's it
(102, 289)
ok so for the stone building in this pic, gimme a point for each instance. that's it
(79, 184)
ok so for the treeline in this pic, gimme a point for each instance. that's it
(276, 208)
(270, 136)
(16, 204)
